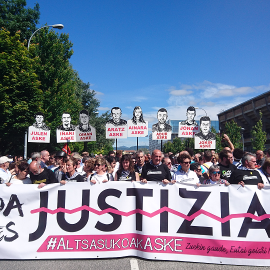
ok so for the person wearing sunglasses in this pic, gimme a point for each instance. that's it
(197, 168)
(214, 177)
(185, 175)
(101, 175)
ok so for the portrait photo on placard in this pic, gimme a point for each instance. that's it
(205, 139)
(137, 126)
(189, 127)
(116, 120)
(84, 131)
(161, 130)
(116, 127)
(66, 131)
(39, 131)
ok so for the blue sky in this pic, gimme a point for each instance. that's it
(171, 54)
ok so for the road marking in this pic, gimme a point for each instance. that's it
(134, 264)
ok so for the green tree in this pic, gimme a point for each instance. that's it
(168, 147)
(178, 145)
(91, 104)
(20, 93)
(258, 136)
(218, 140)
(60, 84)
(14, 16)
(234, 133)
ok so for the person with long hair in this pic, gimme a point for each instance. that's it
(126, 170)
(112, 162)
(71, 174)
(101, 175)
(89, 167)
(137, 116)
(21, 177)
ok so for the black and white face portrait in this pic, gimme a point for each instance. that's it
(39, 120)
(137, 116)
(191, 113)
(162, 116)
(84, 119)
(116, 115)
(66, 119)
(205, 126)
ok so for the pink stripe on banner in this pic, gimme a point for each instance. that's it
(157, 244)
(155, 213)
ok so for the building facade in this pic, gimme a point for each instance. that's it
(246, 115)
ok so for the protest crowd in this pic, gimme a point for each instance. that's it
(230, 166)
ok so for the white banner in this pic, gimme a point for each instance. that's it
(211, 224)
(116, 132)
(38, 135)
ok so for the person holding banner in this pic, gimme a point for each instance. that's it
(101, 175)
(21, 177)
(41, 176)
(71, 175)
(246, 174)
(185, 175)
(126, 170)
(214, 177)
(155, 170)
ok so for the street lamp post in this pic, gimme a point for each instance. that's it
(202, 109)
(57, 26)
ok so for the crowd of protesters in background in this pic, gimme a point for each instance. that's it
(230, 166)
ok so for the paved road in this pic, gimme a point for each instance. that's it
(122, 263)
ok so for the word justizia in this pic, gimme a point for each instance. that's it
(139, 194)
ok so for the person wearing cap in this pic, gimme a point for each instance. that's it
(60, 160)
(5, 174)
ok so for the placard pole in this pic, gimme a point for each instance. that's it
(137, 143)
(116, 144)
(161, 146)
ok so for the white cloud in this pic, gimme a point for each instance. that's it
(104, 109)
(99, 93)
(129, 107)
(139, 98)
(182, 92)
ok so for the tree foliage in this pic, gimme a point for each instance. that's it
(258, 135)
(218, 140)
(234, 133)
(14, 16)
(20, 93)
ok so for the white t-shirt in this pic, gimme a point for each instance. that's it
(4, 175)
(100, 178)
(24, 181)
(189, 177)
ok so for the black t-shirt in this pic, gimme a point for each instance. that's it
(126, 177)
(226, 171)
(77, 178)
(47, 177)
(249, 177)
(155, 173)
